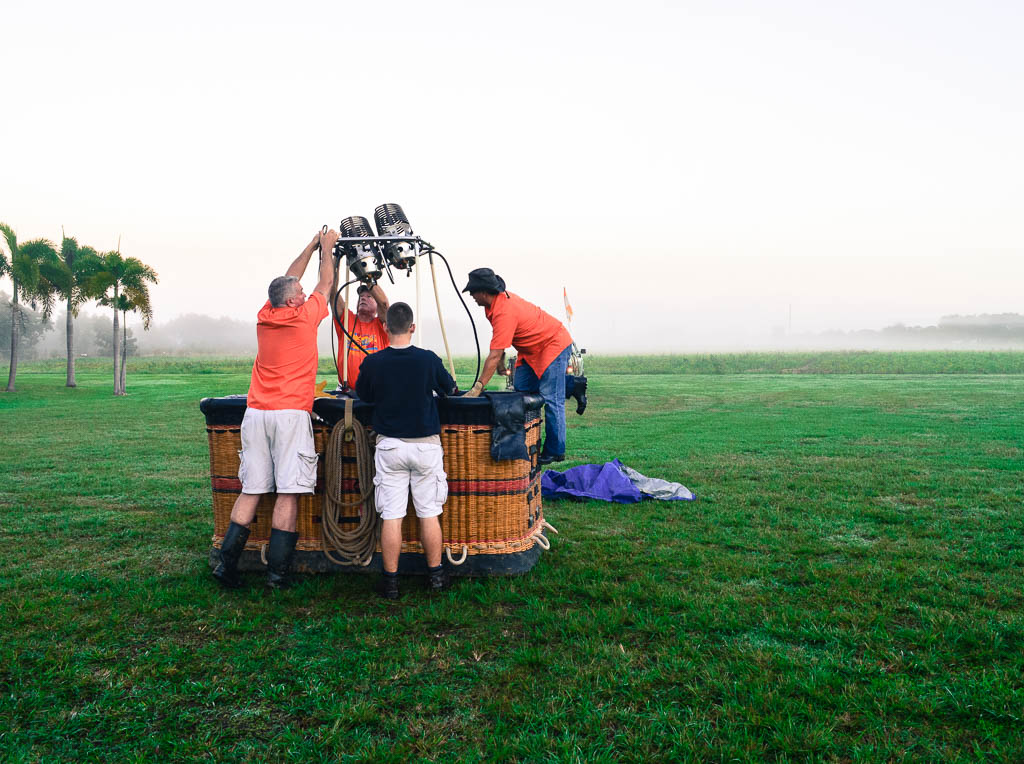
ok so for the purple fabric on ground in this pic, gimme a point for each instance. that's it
(611, 481)
(590, 481)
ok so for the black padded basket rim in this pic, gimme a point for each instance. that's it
(229, 410)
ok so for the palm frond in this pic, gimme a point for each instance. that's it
(69, 250)
(58, 275)
(136, 279)
(137, 272)
(11, 238)
(139, 299)
(36, 262)
(105, 274)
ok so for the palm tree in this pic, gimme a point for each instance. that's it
(24, 269)
(70, 275)
(131, 300)
(114, 276)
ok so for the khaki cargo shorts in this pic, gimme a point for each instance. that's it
(278, 455)
(403, 466)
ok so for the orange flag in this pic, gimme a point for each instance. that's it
(568, 307)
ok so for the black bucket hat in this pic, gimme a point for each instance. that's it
(484, 280)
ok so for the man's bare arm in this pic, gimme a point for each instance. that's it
(382, 301)
(493, 358)
(298, 266)
(490, 366)
(325, 285)
(337, 301)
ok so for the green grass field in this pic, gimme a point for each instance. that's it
(848, 586)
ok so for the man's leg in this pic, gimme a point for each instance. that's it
(391, 544)
(429, 485)
(256, 474)
(283, 538)
(552, 390)
(286, 512)
(231, 548)
(430, 538)
(244, 511)
(391, 493)
(291, 442)
(524, 380)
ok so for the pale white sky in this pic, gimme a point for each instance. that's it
(697, 167)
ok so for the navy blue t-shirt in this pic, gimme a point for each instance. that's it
(400, 383)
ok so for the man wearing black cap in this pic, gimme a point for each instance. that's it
(366, 326)
(543, 346)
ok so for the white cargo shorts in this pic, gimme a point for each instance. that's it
(278, 455)
(403, 466)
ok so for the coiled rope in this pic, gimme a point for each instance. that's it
(349, 547)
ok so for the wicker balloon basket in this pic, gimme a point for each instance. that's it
(492, 523)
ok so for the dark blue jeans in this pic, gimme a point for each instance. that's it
(551, 387)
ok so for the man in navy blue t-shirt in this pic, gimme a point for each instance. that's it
(401, 381)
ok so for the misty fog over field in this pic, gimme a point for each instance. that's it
(196, 334)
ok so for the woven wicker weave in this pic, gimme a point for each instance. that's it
(492, 508)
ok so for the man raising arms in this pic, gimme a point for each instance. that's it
(278, 455)
(366, 325)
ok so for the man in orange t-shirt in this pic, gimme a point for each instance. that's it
(278, 455)
(366, 325)
(543, 345)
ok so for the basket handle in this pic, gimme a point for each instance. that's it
(465, 554)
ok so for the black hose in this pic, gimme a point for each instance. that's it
(341, 324)
(334, 316)
(472, 323)
(430, 252)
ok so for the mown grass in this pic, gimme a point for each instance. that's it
(823, 362)
(846, 588)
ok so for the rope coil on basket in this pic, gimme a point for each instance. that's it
(354, 547)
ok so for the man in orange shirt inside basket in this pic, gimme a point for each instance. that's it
(366, 325)
(278, 455)
(543, 345)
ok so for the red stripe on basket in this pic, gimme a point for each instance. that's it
(488, 486)
(226, 484)
(453, 542)
(234, 485)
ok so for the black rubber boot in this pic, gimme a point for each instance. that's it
(580, 394)
(230, 550)
(387, 587)
(279, 557)
(437, 579)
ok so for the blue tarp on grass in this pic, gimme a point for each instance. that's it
(611, 481)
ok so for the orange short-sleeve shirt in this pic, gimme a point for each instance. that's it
(370, 334)
(284, 374)
(538, 337)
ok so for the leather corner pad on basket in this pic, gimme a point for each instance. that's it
(508, 420)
